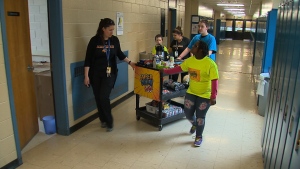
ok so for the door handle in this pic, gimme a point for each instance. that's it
(291, 124)
(297, 141)
(30, 68)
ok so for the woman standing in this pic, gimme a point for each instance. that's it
(177, 46)
(100, 68)
(204, 36)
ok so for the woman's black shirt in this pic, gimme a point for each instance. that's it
(96, 56)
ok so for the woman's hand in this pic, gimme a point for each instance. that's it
(87, 81)
(212, 101)
(132, 64)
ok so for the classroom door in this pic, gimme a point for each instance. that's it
(19, 51)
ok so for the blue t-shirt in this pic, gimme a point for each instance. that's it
(211, 42)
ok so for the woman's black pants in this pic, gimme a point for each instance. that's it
(102, 87)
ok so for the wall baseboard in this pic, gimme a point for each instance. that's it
(95, 116)
(12, 165)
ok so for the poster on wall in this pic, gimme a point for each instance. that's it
(120, 23)
(173, 4)
(195, 19)
(194, 29)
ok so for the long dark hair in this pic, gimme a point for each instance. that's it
(204, 47)
(104, 23)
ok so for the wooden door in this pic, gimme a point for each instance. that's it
(19, 51)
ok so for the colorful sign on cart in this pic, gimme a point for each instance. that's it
(147, 83)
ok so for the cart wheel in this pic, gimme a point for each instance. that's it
(138, 117)
(160, 127)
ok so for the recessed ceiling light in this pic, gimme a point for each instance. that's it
(230, 4)
(234, 9)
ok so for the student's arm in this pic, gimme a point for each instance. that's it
(185, 52)
(214, 90)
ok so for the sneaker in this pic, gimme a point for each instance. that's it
(193, 129)
(198, 141)
(103, 125)
(109, 129)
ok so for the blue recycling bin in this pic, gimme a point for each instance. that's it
(49, 124)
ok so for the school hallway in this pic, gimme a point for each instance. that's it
(231, 139)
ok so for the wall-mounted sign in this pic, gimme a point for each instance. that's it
(120, 23)
(11, 13)
(172, 3)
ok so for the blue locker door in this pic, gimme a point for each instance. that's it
(276, 107)
(273, 84)
(269, 115)
(284, 108)
(293, 66)
(291, 153)
(295, 155)
(277, 90)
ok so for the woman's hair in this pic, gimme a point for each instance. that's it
(205, 22)
(203, 46)
(159, 36)
(104, 23)
(178, 30)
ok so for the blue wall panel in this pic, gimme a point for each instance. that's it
(83, 98)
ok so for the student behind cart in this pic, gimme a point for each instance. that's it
(159, 49)
(177, 46)
(202, 90)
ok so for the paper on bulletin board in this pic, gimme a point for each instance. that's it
(147, 83)
(194, 29)
(195, 19)
(120, 23)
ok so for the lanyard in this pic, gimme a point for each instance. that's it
(176, 45)
(108, 51)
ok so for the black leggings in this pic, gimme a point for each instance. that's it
(102, 87)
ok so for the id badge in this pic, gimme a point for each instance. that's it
(176, 54)
(108, 70)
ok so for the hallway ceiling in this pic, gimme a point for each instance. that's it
(250, 6)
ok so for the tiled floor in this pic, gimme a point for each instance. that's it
(231, 137)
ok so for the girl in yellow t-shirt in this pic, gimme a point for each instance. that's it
(202, 90)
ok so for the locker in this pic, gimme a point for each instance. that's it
(291, 153)
(282, 107)
(276, 90)
(290, 81)
(272, 90)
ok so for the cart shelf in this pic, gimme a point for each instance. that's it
(148, 83)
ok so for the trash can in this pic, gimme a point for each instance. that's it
(263, 96)
(49, 124)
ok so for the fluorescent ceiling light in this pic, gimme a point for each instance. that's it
(230, 4)
(236, 12)
(239, 15)
(234, 9)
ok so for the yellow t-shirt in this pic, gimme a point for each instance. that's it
(201, 73)
(154, 50)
